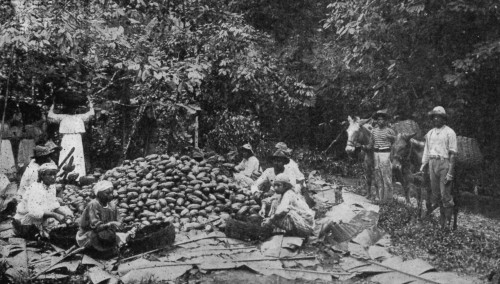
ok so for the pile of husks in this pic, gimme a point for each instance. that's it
(177, 189)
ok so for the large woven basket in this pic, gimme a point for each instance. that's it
(469, 153)
(152, 237)
(246, 231)
(408, 127)
(64, 236)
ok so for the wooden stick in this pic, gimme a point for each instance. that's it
(237, 260)
(335, 141)
(313, 271)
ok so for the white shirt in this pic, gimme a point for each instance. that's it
(71, 123)
(36, 201)
(293, 168)
(439, 142)
(249, 167)
(269, 176)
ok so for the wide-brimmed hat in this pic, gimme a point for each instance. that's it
(41, 151)
(248, 147)
(52, 147)
(381, 113)
(439, 110)
(280, 154)
(282, 146)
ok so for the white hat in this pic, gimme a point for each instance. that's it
(439, 110)
(282, 178)
(47, 167)
(102, 186)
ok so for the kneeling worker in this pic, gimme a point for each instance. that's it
(100, 222)
(39, 209)
(292, 213)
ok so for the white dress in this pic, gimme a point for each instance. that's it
(7, 162)
(71, 128)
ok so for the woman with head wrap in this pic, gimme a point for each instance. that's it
(39, 207)
(292, 213)
(249, 169)
(100, 220)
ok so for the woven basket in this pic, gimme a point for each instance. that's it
(408, 127)
(152, 237)
(469, 153)
(246, 231)
(64, 236)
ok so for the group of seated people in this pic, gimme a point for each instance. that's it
(39, 211)
(280, 188)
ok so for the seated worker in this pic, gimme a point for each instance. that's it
(292, 167)
(39, 210)
(42, 155)
(100, 220)
(292, 213)
(279, 160)
(249, 169)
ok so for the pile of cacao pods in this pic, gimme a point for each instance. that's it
(172, 188)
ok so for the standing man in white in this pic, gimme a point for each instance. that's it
(439, 152)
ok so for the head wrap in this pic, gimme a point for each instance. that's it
(283, 178)
(102, 186)
(47, 167)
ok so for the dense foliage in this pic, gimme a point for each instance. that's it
(293, 69)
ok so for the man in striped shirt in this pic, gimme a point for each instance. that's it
(381, 140)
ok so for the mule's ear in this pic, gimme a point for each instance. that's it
(349, 119)
(363, 121)
(357, 118)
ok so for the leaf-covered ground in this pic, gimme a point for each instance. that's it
(472, 249)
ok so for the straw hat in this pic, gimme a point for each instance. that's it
(381, 113)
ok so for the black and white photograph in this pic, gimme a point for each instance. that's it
(250, 141)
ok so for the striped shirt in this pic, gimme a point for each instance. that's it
(380, 137)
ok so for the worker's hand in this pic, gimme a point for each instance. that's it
(448, 178)
(266, 222)
(422, 168)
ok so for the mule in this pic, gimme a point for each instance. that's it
(406, 159)
(358, 133)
